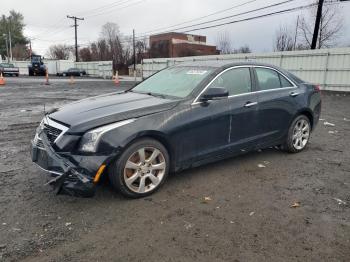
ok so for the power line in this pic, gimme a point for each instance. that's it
(253, 18)
(238, 21)
(202, 17)
(49, 28)
(242, 20)
(59, 28)
(235, 15)
(121, 8)
(100, 8)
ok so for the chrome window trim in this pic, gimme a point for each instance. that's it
(279, 72)
(196, 102)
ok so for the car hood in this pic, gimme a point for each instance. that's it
(93, 112)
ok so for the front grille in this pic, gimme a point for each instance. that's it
(52, 132)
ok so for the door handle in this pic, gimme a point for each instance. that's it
(293, 94)
(250, 104)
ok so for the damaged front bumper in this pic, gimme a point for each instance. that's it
(67, 177)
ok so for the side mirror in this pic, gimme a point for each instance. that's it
(214, 93)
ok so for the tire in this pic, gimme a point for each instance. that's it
(153, 173)
(298, 135)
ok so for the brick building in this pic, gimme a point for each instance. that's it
(179, 45)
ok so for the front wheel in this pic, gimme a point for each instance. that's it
(298, 135)
(141, 169)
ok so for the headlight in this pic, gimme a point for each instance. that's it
(91, 139)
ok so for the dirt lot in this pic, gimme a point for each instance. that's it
(247, 218)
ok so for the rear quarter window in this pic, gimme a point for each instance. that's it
(269, 79)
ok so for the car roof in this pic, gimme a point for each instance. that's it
(223, 64)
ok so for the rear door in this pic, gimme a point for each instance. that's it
(277, 105)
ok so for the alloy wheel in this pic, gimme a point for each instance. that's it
(301, 134)
(144, 170)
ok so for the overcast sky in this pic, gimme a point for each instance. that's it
(46, 20)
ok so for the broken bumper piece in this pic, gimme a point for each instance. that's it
(67, 178)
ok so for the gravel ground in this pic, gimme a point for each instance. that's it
(232, 210)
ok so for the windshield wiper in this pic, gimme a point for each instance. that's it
(156, 95)
(149, 93)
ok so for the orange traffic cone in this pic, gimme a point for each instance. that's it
(47, 78)
(2, 80)
(71, 80)
(116, 79)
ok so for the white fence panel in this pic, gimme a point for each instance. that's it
(328, 67)
(98, 69)
(23, 67)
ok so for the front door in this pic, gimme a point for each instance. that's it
(243, 104)
(209, 128)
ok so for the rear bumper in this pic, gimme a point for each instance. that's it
(66, 177)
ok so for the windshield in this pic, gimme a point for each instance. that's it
(176, 81)
(36, 59)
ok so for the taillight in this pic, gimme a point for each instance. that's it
(317, 88)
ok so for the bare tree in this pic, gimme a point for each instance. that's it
(284, 40)
(111, 36)
(224, 43)
(85, 54)
(243, 50)
(20, 52)
(330, 28)
(61, 52)
(141, 48)
(111, 45)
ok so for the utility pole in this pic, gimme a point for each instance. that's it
(9, 27)
(7, 48)
(296, 34)
(317, 24)
(30, 47)
(10, 40)
(76, 35)
(134, 48)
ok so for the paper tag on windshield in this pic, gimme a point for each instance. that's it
(197, 72)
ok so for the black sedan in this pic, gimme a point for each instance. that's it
(182, 117)
(9, 69)
(73, 72)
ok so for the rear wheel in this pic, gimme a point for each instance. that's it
(141, 169)
(298, 135)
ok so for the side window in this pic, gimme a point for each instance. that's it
(267, 78)
(236, 81)
(285, 82)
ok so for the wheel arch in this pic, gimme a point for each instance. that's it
(308, 113)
